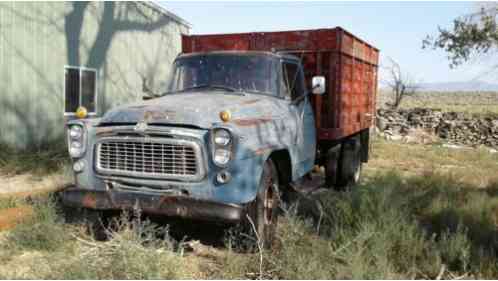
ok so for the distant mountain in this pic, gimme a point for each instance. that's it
(459, 86)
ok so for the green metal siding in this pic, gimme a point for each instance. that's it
(124, 41)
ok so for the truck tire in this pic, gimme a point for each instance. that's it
(263, 211)
(350, 163)
(332, 166)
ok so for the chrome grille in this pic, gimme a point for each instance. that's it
(149, 157)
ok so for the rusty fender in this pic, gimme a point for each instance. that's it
(167, 205)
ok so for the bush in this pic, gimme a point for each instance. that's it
(388, 228)
(136, 250)
(10, 202)
(42, 231)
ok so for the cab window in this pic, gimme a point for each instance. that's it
(292, 81)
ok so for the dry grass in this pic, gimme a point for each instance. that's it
(39, 161)
(476, 167)
(422, 211)
(476, 103)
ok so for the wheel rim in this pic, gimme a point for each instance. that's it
(269, 202)
(357, 171)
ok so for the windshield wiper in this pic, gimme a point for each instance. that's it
(211, 86)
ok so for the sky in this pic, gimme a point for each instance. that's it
(396, 28)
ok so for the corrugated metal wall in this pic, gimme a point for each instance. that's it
(124, 41)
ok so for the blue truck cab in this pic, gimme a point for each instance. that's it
(222, 143)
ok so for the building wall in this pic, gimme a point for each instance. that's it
(124, 41)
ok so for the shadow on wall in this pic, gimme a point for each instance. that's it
(110, 19)
(33, 127)
(115, 18)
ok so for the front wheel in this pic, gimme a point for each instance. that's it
(263, 211)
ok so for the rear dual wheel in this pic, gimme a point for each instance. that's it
(343, 164)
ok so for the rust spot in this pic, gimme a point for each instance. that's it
(157, 115)
(89, 201)
(102, 130)
(251, 121)
(250, 101)
(263, 150)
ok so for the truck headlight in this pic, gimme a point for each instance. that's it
(222, 137)
(75, 132)
(221, 156)
(222, 145)
(76, 141)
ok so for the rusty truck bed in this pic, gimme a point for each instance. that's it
(349, 64)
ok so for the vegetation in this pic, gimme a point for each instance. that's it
(389, 227)
(399, 83)
(42, 160)
(423, 212)
(420, 221)
(473, 34)
(479, 104)
(42, 230)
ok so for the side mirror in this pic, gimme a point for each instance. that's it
(318, 85)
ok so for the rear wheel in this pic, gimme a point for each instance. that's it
(332, 166)
(263, 211)
(350, 163)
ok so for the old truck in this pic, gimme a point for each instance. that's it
(236, 130)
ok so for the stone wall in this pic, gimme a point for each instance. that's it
(452, 127)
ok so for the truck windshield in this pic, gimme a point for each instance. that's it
(244, 73)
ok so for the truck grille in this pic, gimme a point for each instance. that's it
(149, 157)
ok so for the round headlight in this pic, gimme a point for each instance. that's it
(75, 149)
(78, 166)
(75, 132)
(222, 137)
(221, 156)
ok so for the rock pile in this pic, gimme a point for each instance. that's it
(452, 127)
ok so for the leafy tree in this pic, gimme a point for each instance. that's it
(472, 35)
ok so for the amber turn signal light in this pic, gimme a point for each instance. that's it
(81, 112)
(225, 115)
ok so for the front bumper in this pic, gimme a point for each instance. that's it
(167, 205)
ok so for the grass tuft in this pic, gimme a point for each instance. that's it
(390, 227)
(42, 160)
(41, 231)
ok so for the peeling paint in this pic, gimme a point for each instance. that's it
(251, 121)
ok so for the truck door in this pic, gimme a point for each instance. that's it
(302, 116)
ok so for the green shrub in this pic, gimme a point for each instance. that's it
(42, 231)
(390, 228)
(10, 202)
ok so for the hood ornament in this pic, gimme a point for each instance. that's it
(141, 127)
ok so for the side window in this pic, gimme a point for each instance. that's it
(80, 89)
(292, 80)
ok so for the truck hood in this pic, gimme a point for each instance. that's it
(200, 109)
